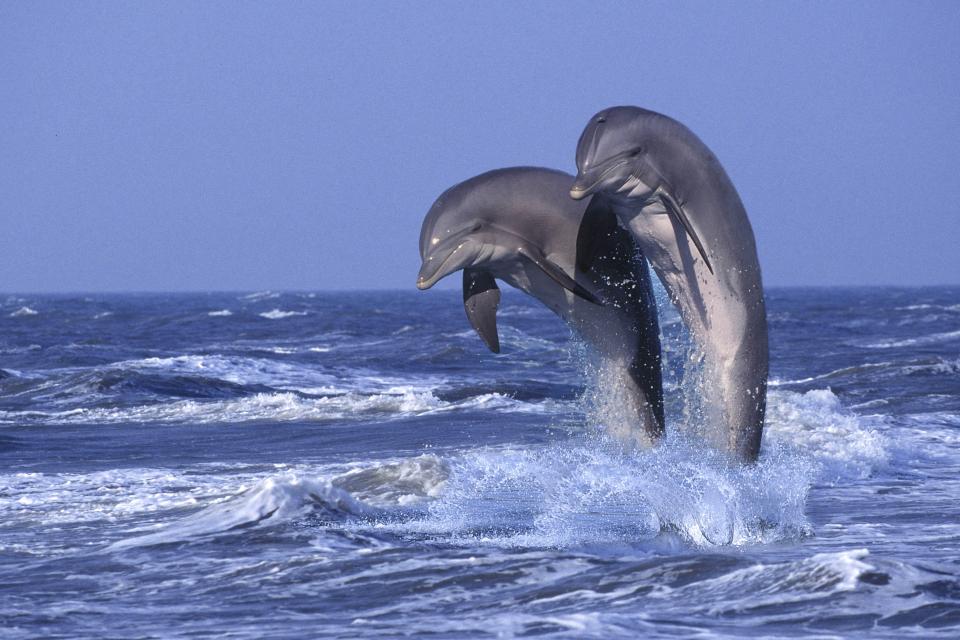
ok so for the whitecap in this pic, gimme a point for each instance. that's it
(920, 340)
(222, 313)
(277, 314)
(259, 295)
(841, 442)
(926, 307)
(24, 311)
(392, 403)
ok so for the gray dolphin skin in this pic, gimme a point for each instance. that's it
(671, 192)
(520, 226)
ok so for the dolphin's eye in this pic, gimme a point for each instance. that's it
(477, 226)
(601, 119)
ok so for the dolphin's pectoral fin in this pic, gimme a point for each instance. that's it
(481, 297)
(677, 212)
(558, 275)
(598, 224)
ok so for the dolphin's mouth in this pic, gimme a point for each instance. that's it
(433, 271)
(587, 183)
(429, 274)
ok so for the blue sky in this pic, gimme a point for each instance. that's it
(198, 146)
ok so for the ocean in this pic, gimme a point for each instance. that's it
(358, 465)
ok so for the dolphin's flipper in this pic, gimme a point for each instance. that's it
(481, 297)
(597, 226)
(677, 212)
(558, 275)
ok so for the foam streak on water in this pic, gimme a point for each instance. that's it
(357, 465)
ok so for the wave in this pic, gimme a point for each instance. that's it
(514, 340)
(563, 495)
(843, 371)
(109, 496)
(24, 311)
(259, 295)
(393, 403)
(277, 314)
(939, 366)
(930, 307)
(222, 313)
(928, 365)
(26, 349)
(579, 490)
(933, 338)
(762, 584)
(240, 370)
(153, 389)
(362, 492)
(271, 500)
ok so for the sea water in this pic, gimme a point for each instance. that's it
(289, 465)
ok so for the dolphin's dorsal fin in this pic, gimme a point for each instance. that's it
(676, 210)
(598, 224)
(481, 297)
(557, 274)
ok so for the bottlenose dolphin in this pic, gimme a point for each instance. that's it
(520, 225)
(670, 191)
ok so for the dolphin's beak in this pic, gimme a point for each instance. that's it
(422, 283)
(428, 275)
(583, 186)
(589, 181)
(441, 263)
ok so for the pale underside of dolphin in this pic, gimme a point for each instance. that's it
(671, 192)
(520, 226)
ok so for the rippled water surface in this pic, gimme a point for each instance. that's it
(349, 465)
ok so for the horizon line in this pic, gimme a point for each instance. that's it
(61, 292)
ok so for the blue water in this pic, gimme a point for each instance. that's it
(288, 465)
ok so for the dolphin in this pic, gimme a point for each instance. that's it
(671, 192)
(520, 226)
